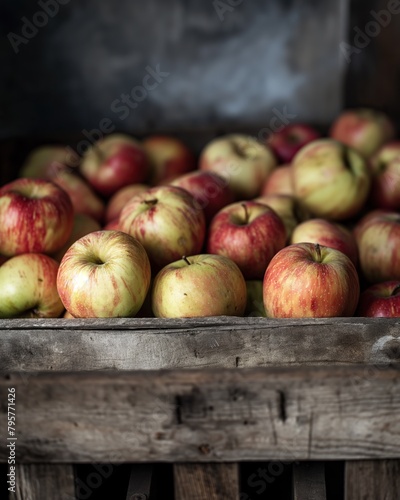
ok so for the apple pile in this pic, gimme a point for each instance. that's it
(299, 226)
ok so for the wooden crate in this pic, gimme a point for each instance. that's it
(301, 392)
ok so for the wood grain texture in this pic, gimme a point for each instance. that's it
(309, 481)
(206, 481)
(292, 413)
(372, 480)
(129, 344)
(45, 482)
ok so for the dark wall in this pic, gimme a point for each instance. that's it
(222, 65)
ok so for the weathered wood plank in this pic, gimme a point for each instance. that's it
(44, 481)
(309, 481)
(206, 481)
(372, 479)
(292, 413)
(129, 344)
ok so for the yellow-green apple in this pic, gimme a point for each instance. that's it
(52, 163)
(119, 199)
(381, 300)
(378, 239)
(254, 304)
(279, 181)
(83, 224)
(328, 234)
(68, 315)
(287, 207)
(114, 162)
(363, 129)
(330, 179)
(249, 233)
(169, 158)
(307, 280)
(288, 140)
(28, 287)
(35, 216)
(211, 192)
(105, 274)
(385, 182)
(243, 161)
(166, 222)
(200, 285)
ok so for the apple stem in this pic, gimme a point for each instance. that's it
(246, 213)
(152, 202)
(318, 250)
(186, 260)
(396, 290)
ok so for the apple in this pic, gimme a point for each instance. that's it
(35, 216)
(105, 274)
(330, 179)
(68, 315)
(169, 158)
(328, 234)
(52, 163)
(288, 140)
(381, 300)
(113, 225)
(279, 181)
(28, 287)
(378, 239)
(165, 220)
(119, 199)
(385, 169)
(83, 225)
(198, 286)
(211, 192)
(307, 280)
(241, 160)
(288, 208)
(113, 162)
(363, 129)
(249, 233)
(2, 259)
(254, 304)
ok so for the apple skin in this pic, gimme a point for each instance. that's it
(83, 225)
(52, 163)
(113, 225)
(119, 199)
(279, 181)
(330, 179)
(211, 192)
(114, 162)
(254, 304)
(241, 160)
(169, 158)
(378, 239)
(287, 141)
(306, 280)
(385, 169)
(105, 274)
(328, 234)
(381, 300)
(36, 216)
(249, 233)
(363, 129)
(28, 287)
(165, 221)
(210, 285)
(288, 208)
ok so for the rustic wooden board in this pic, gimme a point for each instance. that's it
(129, 344)
(44, 481)
(206, 481)
(309, 481)
(372, 480)
(292, 413)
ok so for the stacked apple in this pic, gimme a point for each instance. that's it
(295, 227)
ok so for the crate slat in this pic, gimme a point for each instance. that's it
(309, 481)
(44, 481)
(291, 413)
(206, 481)
(372, 480)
